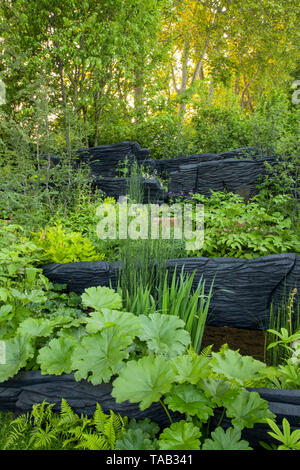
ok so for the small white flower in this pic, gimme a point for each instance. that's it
(296, 355)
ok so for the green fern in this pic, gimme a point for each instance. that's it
(77, 433)
(110, 428)
(119, 423)
(206, 352)
(42, 413)
(68, 417)
(92, 441)
(20, 426)
(43, 438)
(99, 419)
(45, 429)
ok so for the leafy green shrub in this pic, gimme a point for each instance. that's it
(289, 441)
(60, 246)
(94, 346)
(165, 134)
(17, 252)
(152, 357)
(44, 429)
(84, 220)
(273, 124)
(236, 229)
(218, 129)
(194, 386)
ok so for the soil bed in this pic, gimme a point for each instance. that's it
(249, 342)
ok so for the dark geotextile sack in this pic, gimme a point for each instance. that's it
(117, 187)
(242, 293)
(104, 160)
(20, 393)
(79, 276)
(231, 174)
(236, 170)
(165, 167)
(243, 289)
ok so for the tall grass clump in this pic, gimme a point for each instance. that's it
(144, 260)
(286, 315)
(145, 283)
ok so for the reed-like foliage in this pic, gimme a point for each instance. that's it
(146, 285)
(176, 295)
(286, 315)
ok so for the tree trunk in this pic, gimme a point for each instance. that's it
(184, 75)
(139, 94)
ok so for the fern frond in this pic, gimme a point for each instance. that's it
(43, 438)
(99, 419)
(19, 426)
(68, 417)
(206, 352)
(77, 432)
(93, 441)
(109, 431)
(42, 413)
(119, 424)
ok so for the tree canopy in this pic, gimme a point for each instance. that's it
(113, 70)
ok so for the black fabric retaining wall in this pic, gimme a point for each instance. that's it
(104, 160)
(116, 187)
(29, 387)
(234, 175)
(20, 393)
(165, 167)
(243, 289)
(236, 170)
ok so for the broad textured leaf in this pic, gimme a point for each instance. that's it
(164, 334)
(73, 332)
(180, 436)
(135, 439)
(17, 352)
(36, 327)
(101, 297)
(129, 323)
(186, 398)
(247, 409)
(220, 391)
(226, 440)
(65, 321)
(35, 296)
(4, 294)
(6, 313)
(99, 356)
(236, 367)
(56, 357)
(190, 368)
(143, 381)
(146, 425)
